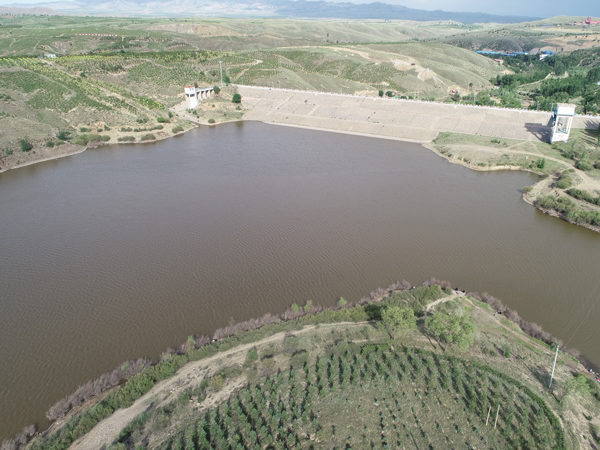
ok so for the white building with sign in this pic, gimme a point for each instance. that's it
(563, 119)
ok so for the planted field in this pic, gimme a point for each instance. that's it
(372, 396)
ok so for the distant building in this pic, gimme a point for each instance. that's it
(49, 55)
(193, 93)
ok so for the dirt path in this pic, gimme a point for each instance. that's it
(444, 300)
(105, 432)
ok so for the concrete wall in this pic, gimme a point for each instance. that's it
(404, 119)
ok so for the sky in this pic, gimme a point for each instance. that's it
(531, 8)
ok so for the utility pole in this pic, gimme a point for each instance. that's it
(497, 411)
(488, 417)
(221, 67)
(553, 366)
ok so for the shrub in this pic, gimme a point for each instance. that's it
(583, 165)
(584, 195)
(389, 93)
(25, 145)
(50, 144)
(217, 89)
(84, 129)
(527, 189)
(126, 139)
(564, 181)
(177, 129)
(211, 120)
(105, 138)
(541, 163)
(507, 352)
(380, 92)
(63, 135)
(252, 355)
(148, 137)
(81, 140)
(160, 119)
(237, 98)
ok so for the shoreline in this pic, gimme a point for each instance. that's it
(104, 144)
(424, 143)
(276, 328)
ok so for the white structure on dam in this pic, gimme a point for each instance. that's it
(563, 118)
(193, 94)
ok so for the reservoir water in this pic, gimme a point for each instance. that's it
(123, 251)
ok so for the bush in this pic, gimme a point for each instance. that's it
(217, 89)
(177, 129)
(148, 137)
(160, 119)
(50, 144)
(527, 189)
(583, 165)
(389, 93)
(84, 129)
(105, 138)
(584, 195)
(564, 182)
(81, 140)
(380, 92)
(211, 120)
(64, 135)
(126, 139)
(507, 352)
(237, 98)
(25, 145)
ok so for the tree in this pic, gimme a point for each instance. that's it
(237, 98)
(541, 163)
(398, 320)
(451, 329)
(389, 93)
(226, 79)
(64, 135)
(577, 385)
(25, 146)
(217, 89)
(381, 92)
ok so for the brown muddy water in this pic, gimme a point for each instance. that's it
(123, 251)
